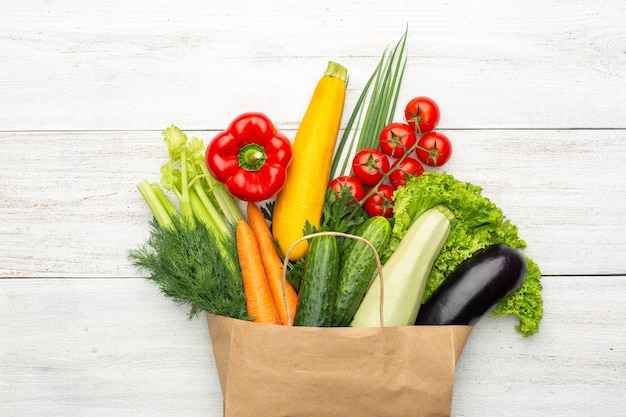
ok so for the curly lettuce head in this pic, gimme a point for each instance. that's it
(479, 223)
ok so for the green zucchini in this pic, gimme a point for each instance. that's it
(318, 287)
(357, 267)
(406, 272)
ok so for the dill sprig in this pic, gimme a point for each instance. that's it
(187, 264)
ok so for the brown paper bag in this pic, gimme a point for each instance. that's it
(279, 371)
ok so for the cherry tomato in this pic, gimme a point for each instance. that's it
(396, 138)
(380, 203)
(434, 149)
(351, 183)
(404, 169)
(370, 165)
(422, 114)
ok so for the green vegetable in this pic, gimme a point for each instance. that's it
(318, 288)
(406, 272)
(357, 267)
(382, 91)
(340, 214)
(477, 285)
(480, 223)
(187, 176)
(186, 263)
(192, 254)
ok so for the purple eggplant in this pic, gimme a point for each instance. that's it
(475, 287)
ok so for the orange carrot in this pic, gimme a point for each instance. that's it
(273, 266)
(259, 301)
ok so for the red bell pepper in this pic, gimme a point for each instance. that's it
(250, 157)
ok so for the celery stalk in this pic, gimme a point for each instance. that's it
(185, 204)
(208, 204)
(204, 211)
(210, 218)
(160, 212)
(225, 200)
(165, 202)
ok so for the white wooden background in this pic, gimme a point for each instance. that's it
(532, 94)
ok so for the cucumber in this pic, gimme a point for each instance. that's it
(357, 267)
(406, 272)
(318, 287)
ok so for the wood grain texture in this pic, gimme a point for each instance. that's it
(576, 365)
(136, 65)
(564, 190)
(101, 347)
(98, 347)
(531, 94)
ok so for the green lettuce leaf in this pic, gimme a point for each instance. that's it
(479, 223)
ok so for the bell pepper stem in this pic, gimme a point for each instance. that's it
(252, 157)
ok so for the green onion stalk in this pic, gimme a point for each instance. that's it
(374, 109)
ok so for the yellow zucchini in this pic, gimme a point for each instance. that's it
(302, 197)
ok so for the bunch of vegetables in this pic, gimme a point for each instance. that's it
(402, 151)
(307, 232)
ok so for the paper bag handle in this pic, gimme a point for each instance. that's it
(340, 234)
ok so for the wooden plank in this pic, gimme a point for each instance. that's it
(575, 365)
(527, 64)
(102, 347)
(71, 209)
(531, 94)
